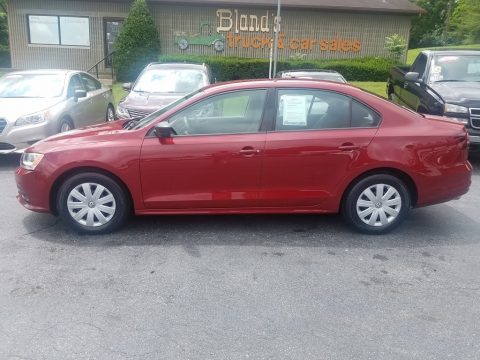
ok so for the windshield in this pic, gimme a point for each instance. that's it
(153, 116)
(455, 68)
(31, 86)
(182, 81)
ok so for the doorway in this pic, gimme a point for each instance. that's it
(112, 29)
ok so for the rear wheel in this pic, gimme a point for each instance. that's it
(92, 203)
(377, 204)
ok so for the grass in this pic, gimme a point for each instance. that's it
(377, 88)
(118, 93)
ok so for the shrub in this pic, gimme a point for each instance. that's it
(233, 68)
(138, 42)
(396, 46)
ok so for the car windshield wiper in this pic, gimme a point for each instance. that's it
(131, 123)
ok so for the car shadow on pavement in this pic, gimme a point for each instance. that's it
(435, 225)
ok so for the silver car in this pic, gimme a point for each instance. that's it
(39, 103)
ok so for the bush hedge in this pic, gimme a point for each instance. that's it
(234, 68)
(5, 57)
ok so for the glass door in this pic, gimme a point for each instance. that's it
(112, 29)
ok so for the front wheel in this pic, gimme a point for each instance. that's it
(377, 204)
(92, 203)
(110, 116)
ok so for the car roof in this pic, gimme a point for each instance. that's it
(280, 83)
(62, 72)
(174, 65)
(309, 71)
(452, 52)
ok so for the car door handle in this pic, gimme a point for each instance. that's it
(348, 147)
(249, 151)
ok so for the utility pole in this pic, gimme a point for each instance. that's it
(275, 42)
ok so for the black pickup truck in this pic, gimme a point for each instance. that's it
(441, 82)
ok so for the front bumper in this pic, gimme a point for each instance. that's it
(17, 138)
(32, 190)
(474, 139)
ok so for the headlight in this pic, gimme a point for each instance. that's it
(451, 108)
(29, 161)
(32, 119)
(122, 112)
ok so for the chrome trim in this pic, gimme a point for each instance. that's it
(475, 118)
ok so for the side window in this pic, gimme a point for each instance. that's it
(420, 64)
(231, 113)
(312, 110)
(75, 84)
(90, 83)
(363, 116)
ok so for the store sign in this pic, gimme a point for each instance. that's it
(259, 34)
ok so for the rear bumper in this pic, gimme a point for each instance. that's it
(451, 184)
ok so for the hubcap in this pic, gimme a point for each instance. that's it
(379, 205)
(91, 204)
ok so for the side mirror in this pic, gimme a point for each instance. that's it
(413, 77)
(163, 130)
(127, 86)
(80, 94)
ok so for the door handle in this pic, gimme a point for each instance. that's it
(348, 147)
(249, 151)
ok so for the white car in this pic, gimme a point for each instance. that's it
(39, 103)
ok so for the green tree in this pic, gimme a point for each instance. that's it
(465, 21)
(4, 45)
(431, 28)
(138, 42)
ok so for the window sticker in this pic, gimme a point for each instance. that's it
(294, 110)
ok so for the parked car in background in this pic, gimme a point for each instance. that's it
(160, 84)
(39, 103)
(441, 82)
(314, 74)
(252, 147)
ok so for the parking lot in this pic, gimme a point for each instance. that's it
(240, 287)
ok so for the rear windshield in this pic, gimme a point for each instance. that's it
(182, 81)
(31, 85)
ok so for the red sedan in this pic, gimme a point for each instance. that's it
(266, 146)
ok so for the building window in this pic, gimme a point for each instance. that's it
(59, 30)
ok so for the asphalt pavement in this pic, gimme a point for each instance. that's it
(240, 287)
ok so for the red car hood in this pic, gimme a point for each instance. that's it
(80, 137)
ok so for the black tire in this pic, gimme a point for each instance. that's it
(351, 208)
(65, 122)
(110, 115)
(121, 203)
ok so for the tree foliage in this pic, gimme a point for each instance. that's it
(428, 28)
(466, 21)
(138, 42)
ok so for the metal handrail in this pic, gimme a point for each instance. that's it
(95, 67)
